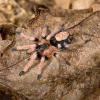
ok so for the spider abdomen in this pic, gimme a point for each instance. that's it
(62, 44)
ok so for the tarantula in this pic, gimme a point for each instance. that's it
(44, 49)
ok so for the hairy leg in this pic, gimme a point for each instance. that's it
(54, 31)
(21, 32)
(41, 66)
(44, 32)
(30, 48)
(47, 33)
(29, 64)
(32, 38)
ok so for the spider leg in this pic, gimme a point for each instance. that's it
(45, 32)
(25, 47)
(32, 38)
(41, 66)
(55, 30)
(31, 49)
(29, 64)
(20, 31)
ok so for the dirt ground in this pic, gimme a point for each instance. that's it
(74, 75)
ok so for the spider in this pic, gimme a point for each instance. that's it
(44, 49)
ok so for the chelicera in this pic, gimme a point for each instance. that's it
(44, 49)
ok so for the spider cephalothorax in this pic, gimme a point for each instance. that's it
(44, 49)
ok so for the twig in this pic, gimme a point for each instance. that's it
(81, 21)
(14, 64)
